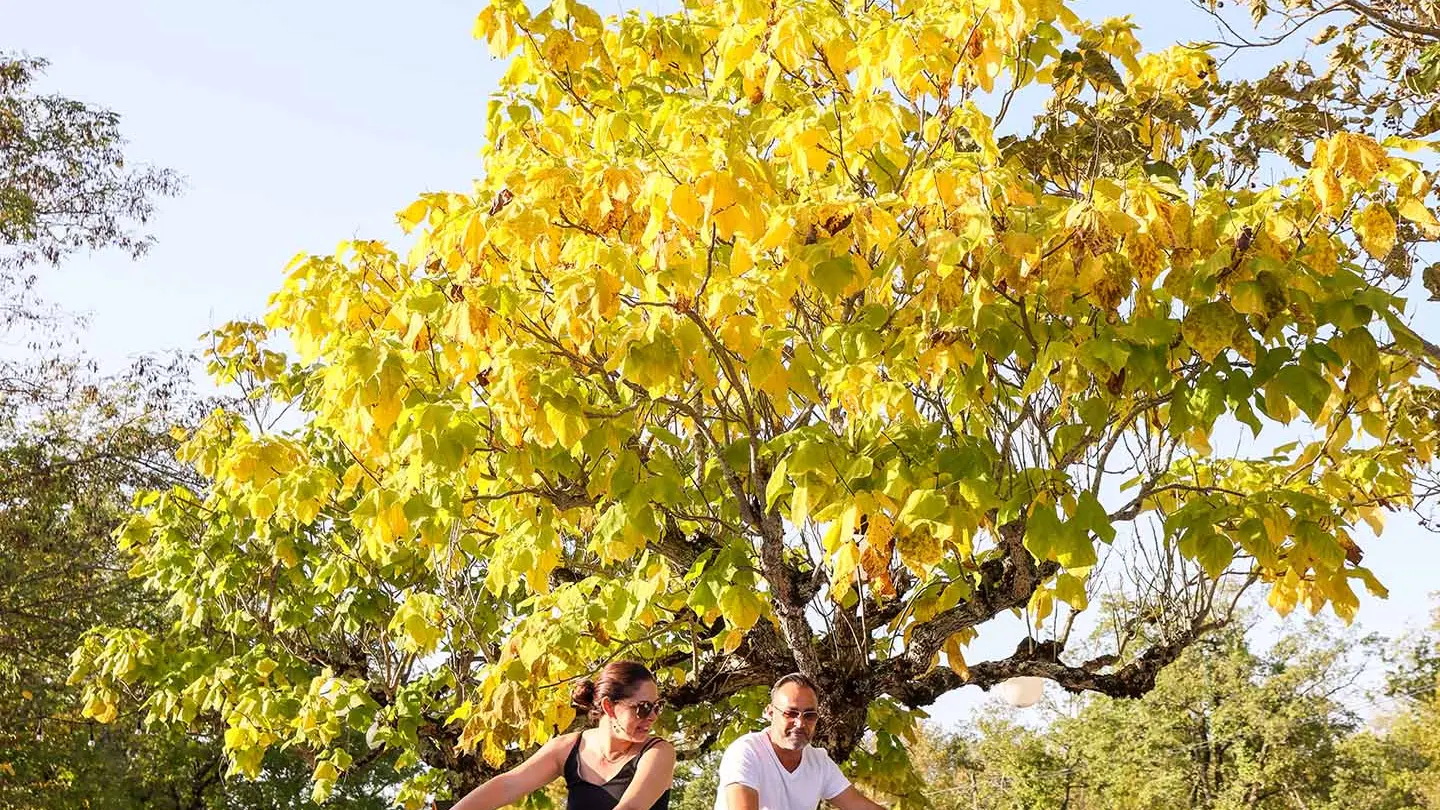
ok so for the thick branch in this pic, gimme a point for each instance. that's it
(789, 600)
(1395, 26)
(1005, 583)
(1042, 661)
(762, 657)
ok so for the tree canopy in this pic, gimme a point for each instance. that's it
(770, 341)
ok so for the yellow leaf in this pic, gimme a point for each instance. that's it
(1284, 594)
(1364, 158)
(955, 658)
(1323, 182)
(413, 215)
(981, 128)
(1374, 517)
(1210, 328)
(730, 640)
(1417, 212)
(102, 710)
(1042, 604)
(741, 606)
(1375, 229)
(842, 531)
(843, 576)
(686, 206)
(919, 550)
(474, 237)
(493, 752)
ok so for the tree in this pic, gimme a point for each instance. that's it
(770, 342)
(1228, 727)
(75, 447)
(1233, 728)
(66, 474)
(64, 183)
(66, 477)
(697, 781)
(1378, 772)
(1404, 756)
(1376, 67)
(1382, 58)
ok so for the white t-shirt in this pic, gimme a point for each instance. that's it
(751, 761)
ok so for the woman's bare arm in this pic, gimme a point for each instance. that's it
(542, 768)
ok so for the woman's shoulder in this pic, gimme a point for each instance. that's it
(661, 744)
(562, 744)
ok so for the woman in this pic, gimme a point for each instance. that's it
(616, 765)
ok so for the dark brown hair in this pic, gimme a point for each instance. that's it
(617, 681)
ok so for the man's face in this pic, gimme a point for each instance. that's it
(793, 712)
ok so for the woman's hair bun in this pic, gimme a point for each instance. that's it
(583, 696)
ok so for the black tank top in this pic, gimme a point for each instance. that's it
(583, 795)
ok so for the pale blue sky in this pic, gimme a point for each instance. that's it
(300, 124)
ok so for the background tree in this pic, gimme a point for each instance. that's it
(64, 183)
(1228, 726)
(697, 781)
(67, 471)
(76, 446)
(1405, 750)
(770, 342)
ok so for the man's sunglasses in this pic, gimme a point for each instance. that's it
(644, 709)
(808, 715)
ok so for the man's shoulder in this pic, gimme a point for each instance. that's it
(746, 746)
(817, 755)
(746, 740)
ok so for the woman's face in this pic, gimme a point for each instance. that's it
(631, 718)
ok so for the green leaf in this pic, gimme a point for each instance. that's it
(1042, 532)
(1074, 548)
(1100, 71)
(1307, 389)
(833, 275)
(1205, 546)
(1160, 168)
(1070, 589)
(923, 505)
(1091, 515)
(808, 456)
(1112, 353)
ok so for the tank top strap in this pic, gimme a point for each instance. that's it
(572, 761)
(635, 760)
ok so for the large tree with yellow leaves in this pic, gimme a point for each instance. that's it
(770, 341)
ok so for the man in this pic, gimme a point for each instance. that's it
(778, 769)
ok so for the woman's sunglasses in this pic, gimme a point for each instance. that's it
(644, 709)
